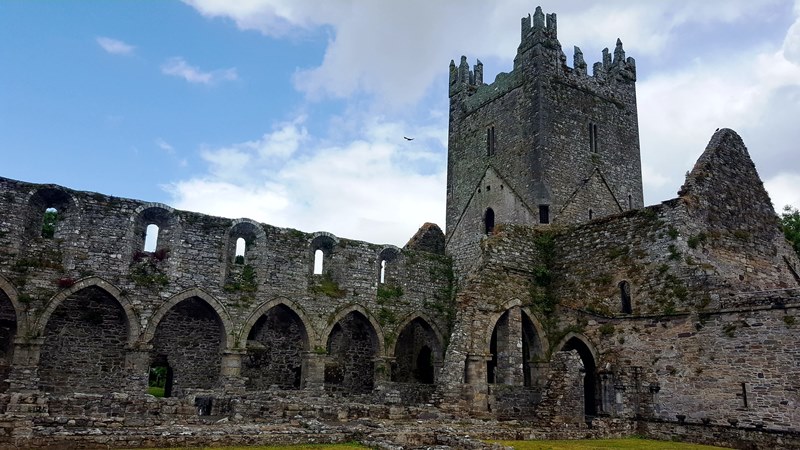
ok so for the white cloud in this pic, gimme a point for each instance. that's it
(783, 190)
(164, 145)
(374, 186)
(114, 46)
(367, 188)
(178, 67)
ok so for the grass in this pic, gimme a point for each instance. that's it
(631, 443)
(347, 446)
(155, 391)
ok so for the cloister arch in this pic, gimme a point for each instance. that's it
(589, 357)
(417, 352)
(131, 316)
(276, 339)
(222, 314)
(187, 337)
(86, 333)
(353, 344)
(515, 339)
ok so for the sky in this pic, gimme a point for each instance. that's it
(293, 112)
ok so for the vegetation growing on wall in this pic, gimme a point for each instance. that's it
(146, 268)
(326, 285)
(790, 223)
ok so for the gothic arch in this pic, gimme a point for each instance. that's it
(311, 336)
(572, 335)
(222, 314)
(340, 314)
(537, 325)
(410, 318)
(130, 314)
(13, 296)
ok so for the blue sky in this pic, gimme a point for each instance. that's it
(293, 112)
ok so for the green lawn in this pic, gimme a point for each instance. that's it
(605, 444)
(275, 447)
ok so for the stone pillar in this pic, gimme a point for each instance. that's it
(509, 350)
(382, 366)
(607, 393)
(313, 370)
(231, 379)
(476, 379)
(24, 373)
(137, 370)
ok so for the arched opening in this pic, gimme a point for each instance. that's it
(151, 238)
(319, 255)
(241, 245)
(514, 344)
(322, 250)
(84, 344)
(190, 336)
(383, 271)
(160, 377)
(488, 221)
(590, 378)
(352, 346)
(49, 223)
(275, 347)
(388, 271)
(416, 352)
(625, 297)
(8, 331)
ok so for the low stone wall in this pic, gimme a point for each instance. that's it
(749, 438)
(514, 401)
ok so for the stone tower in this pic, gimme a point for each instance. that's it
(546, 143)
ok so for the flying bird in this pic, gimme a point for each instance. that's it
(408, 138)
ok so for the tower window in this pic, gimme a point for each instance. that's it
(490, 141)
(625, 297)
(488, 221)
(544, 213)
(591, 214)
(593, 137)
(630, 201)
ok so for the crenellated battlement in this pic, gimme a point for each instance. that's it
(540, 52)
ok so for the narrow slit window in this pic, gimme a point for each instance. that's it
(151, 238)
(318, 256)
(241, 246)
(593, 137)
(544, 213)
(491, 142)
(591, 214)
(49, 223)
(383, 271)
(488, 221)
(625, 297)
(630, 201)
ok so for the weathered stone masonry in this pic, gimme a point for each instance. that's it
(554, 298)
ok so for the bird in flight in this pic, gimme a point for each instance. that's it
(408, 138)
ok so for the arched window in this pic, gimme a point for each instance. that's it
(591, 214)
(488, 221)
(241, 246)
(318, 256)
(49, 223)
(625, 297)
(630, 201)
(383, 271)
(151, 238)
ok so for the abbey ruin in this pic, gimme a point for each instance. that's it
(554, 304)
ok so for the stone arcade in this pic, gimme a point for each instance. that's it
(554, 298)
